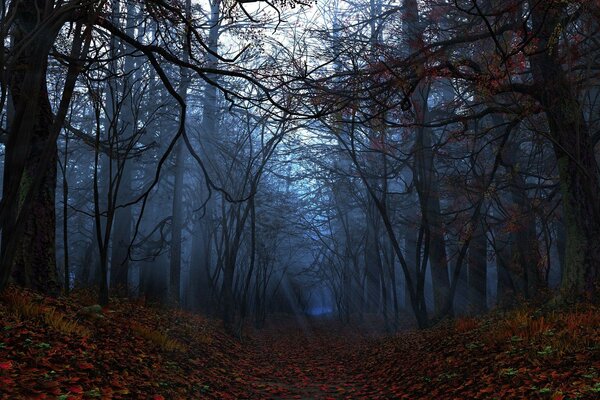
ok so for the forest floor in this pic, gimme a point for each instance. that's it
(70, 349)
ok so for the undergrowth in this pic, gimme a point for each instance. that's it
(23, 307)
(158, 338)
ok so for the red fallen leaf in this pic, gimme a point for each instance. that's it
(85, 365)
(555, 375)
(76, 389)
(6, 381)
(158, 397)
(558, 396)
(6, 365)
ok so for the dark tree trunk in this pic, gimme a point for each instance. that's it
(121, 238)
(178, 206)
(505, 288)
(119, 269)
(429, 196)
(561, 243)
(477, 276)
(65, 224)
(201, 286)
(461, 299)
(525, 257)
(427, 180)
(177, 227)
(410, 249)
(372, 263)
(574, 152)
(228, 300)
(201, 260)
(28, 250)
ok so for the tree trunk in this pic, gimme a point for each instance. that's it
(119, 276)
(372, 262)
(28, 250)
(505, 288)
(228, 301)
(429, 194)
(477, 275)
(176, 227)
(410, 249)
(428, 182)
(201, 259)
(561, 243)
(121, 238)
(461, 299)
(578, 171)
(65, 225)
(177, 223)
(201, 263)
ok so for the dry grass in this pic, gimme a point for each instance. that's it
(519, 324)
(158, 338)
(558, 332)
(23, 306)
(59, 322)
(466, 324)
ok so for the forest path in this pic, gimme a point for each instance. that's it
(124, 355)
(314, 361)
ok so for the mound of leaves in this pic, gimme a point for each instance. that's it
(71, 349)
(524, 354)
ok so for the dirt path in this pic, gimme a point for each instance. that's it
(310, 363)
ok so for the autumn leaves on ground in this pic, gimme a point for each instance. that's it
(71, 349)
